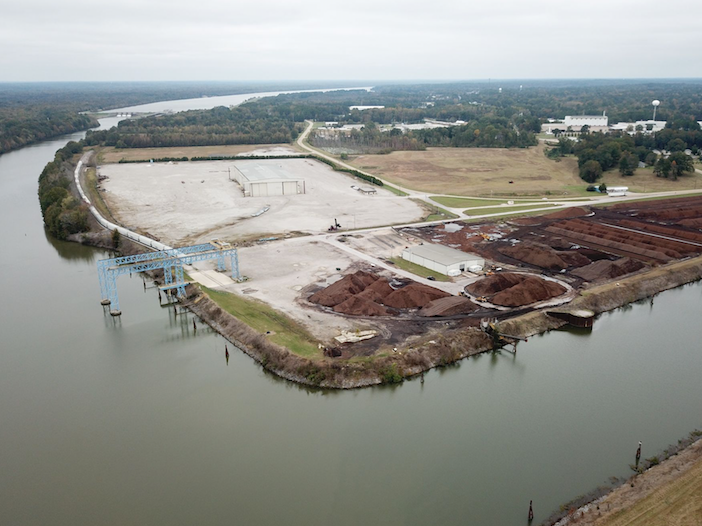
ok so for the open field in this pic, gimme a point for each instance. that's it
(190, 202)
(644, 180)
(477, 171)
(114, 155)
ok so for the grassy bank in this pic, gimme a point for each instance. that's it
(260, 317)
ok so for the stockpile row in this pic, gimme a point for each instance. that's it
(647, 247)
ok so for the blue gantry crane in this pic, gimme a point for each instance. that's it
(171, 261)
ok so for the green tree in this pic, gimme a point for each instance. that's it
(591, 171)
(628, 164)
(662, 168)
(680, 163)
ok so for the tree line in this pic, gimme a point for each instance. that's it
(63, 213)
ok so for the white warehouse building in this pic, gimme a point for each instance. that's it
(267, 178)
(442, 259)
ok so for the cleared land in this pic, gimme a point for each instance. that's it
(191, 202)
(477, 171)
(114, 155)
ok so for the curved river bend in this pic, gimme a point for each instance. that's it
(139, 420)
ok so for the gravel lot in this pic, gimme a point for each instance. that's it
(191, 202)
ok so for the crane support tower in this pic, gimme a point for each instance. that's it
(170, 261)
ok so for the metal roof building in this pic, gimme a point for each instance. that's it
(442, 259)
(263, 179)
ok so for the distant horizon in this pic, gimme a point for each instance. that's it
(363, 81)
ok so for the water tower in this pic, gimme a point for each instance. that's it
(655, 104)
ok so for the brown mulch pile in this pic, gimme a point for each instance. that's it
(605, 269)
(544, 256)
(515, 290)
(358, 306)
(413, 296)
(343, 289)
(451, 306)
(366, 294)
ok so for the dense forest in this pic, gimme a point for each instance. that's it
(246, 124)
(33, 112)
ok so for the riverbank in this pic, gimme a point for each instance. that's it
(439, 347)
(667, 493)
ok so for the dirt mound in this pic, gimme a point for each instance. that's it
(376, 291)
(531, 290)
(413, 296)
(358, 306)
(494, 284)
(450, 306)
(605, 269)
(568, 213)
(515, 290)
(574, 259)
(537, 255)
(343, 289)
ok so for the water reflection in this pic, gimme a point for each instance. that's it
(72, 251)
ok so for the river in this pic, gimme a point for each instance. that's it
(139, 420)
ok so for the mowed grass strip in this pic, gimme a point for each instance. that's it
(262, 318)
(462, 202)
(507, 209)
(418, 270)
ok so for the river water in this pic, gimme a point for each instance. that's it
(139, 420)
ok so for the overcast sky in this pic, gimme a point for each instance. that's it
(350, 39)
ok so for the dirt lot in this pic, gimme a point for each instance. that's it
(477, 171)
(114, 155)
(191, 202)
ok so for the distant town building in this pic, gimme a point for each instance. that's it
(361, 108)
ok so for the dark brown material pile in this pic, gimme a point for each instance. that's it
(515, 290)
(413, 296)
(605, 269)
(451, 306)
(544, 256)
(343, 289)
(366, 294)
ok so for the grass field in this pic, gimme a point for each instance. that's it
(113, 155)
(462, 202)
(506, 209)
(477, 171)
(644, 180)
(418, 270)
(262, 318)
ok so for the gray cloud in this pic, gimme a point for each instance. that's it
(315, 39)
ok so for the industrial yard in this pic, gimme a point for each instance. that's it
(190, 202)
(317, 249)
